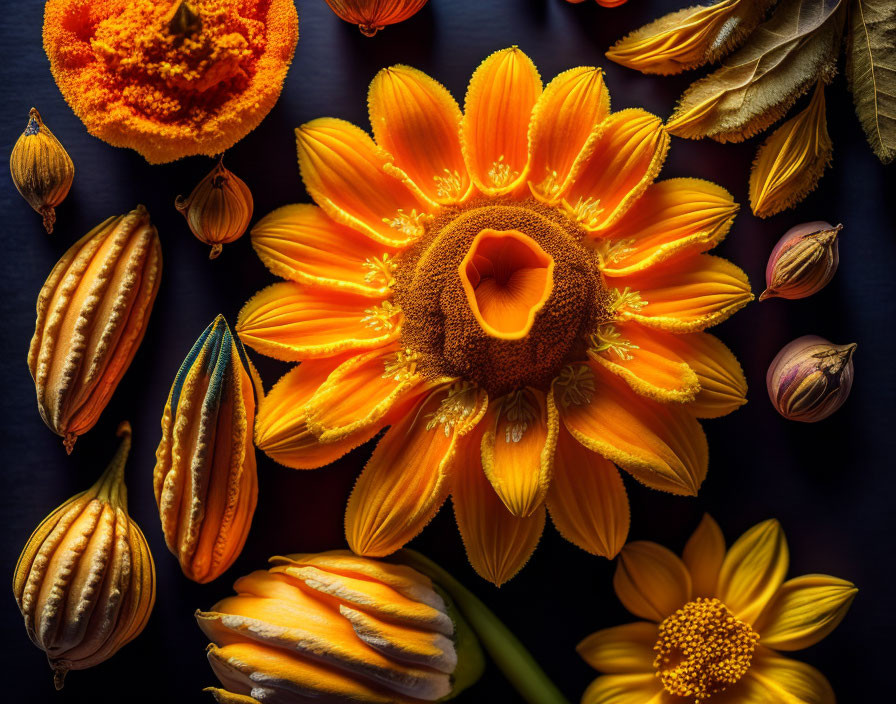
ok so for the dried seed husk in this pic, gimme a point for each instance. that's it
(372, 15)
(803, 262)
(92, 313)
(41, 169)
(810, 378)
(205, 480)
(85, 582)
(219, 209)
(790, 163)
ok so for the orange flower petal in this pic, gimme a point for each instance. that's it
(647, 360)
(772, 679)
(661, 446)
(498, 543)
(587, 499)
(626, 689)
(292, 322)
(621, 649)
(404, 483)
(494, 131)
(562, 120)
(753, 570)
(518, 448)
(703, 554)
(299, 242)
(359, 393)
(651, 581)
(622, 158)
(674, 218)
(343, 171)
(417, 121)
(281, 430)
(723, 387)
(688, 295)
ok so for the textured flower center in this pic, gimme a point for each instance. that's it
(702, 649)
(502, 294)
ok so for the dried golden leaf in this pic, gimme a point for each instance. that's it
(790, 163)
(871, 68)
(689, 38)
(761, 81)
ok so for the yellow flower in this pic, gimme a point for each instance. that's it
(715, 621)
(484, 283)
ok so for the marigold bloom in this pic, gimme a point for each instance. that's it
(170, 79)
(483, 283)
(714, 621)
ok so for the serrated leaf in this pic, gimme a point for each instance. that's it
(871, 69)
(759, 83)
(689, 38)
(790, 163)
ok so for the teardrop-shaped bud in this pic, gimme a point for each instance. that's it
(219, 209)
(41, 169)
(85, 582)
(372, 15)
(92, 313)
(803, 262)
(810, 378)
(205, 479)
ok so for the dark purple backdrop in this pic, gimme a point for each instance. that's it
(830, 484)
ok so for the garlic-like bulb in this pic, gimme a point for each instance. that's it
(810, 378)
(372, 15)
(803, 262)
(219, 208)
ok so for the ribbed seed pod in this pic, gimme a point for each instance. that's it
(92, 313)
(85, 582)
(219, 209)
(803, 262)
(372, 15)
(41, 169)
(205, 480)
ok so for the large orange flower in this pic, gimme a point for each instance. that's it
(484, 283)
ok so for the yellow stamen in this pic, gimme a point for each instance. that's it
(626, 299)
(549, 187)
(411, 224)
(382, 269)
(587, 211)
(501, 174)
(401, 366)
(611, 252)
(456, 409)
(382, 316)
(608, 339)
(450, 185)
(574, 385)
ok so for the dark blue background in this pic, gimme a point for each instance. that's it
(830, 484)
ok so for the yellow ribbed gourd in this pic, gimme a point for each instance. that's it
(85, 582)
(205, 479)
(92, 313)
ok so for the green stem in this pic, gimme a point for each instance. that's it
(509, 654)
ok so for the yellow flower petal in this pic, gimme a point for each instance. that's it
(703, 555)
(723, 387)
(621, 159)
(417, 121)
(687, 295)
(343, 171)
(791, 161)
(626, 689)
(587, 499)
(774, 679)
(494, 133)
(518, 448)
(281, 429)
(651, 581)
(660, 445)
(753, 570)
(301, 243)
(291, 322)
(647, 361)
(403, 485)
(674, 218)
(621, 649)
(804, 611)
(563, 118)
(498, 543)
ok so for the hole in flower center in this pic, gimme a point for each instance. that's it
(507, 277)
(703, 649)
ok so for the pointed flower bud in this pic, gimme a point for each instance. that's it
(803, 262)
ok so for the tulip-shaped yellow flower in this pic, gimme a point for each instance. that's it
(714, 622)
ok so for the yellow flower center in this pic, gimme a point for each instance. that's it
(702, 649)
(500, 293)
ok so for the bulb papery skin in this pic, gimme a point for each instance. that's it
(372, 15)
(803, 261)
(810, 378)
